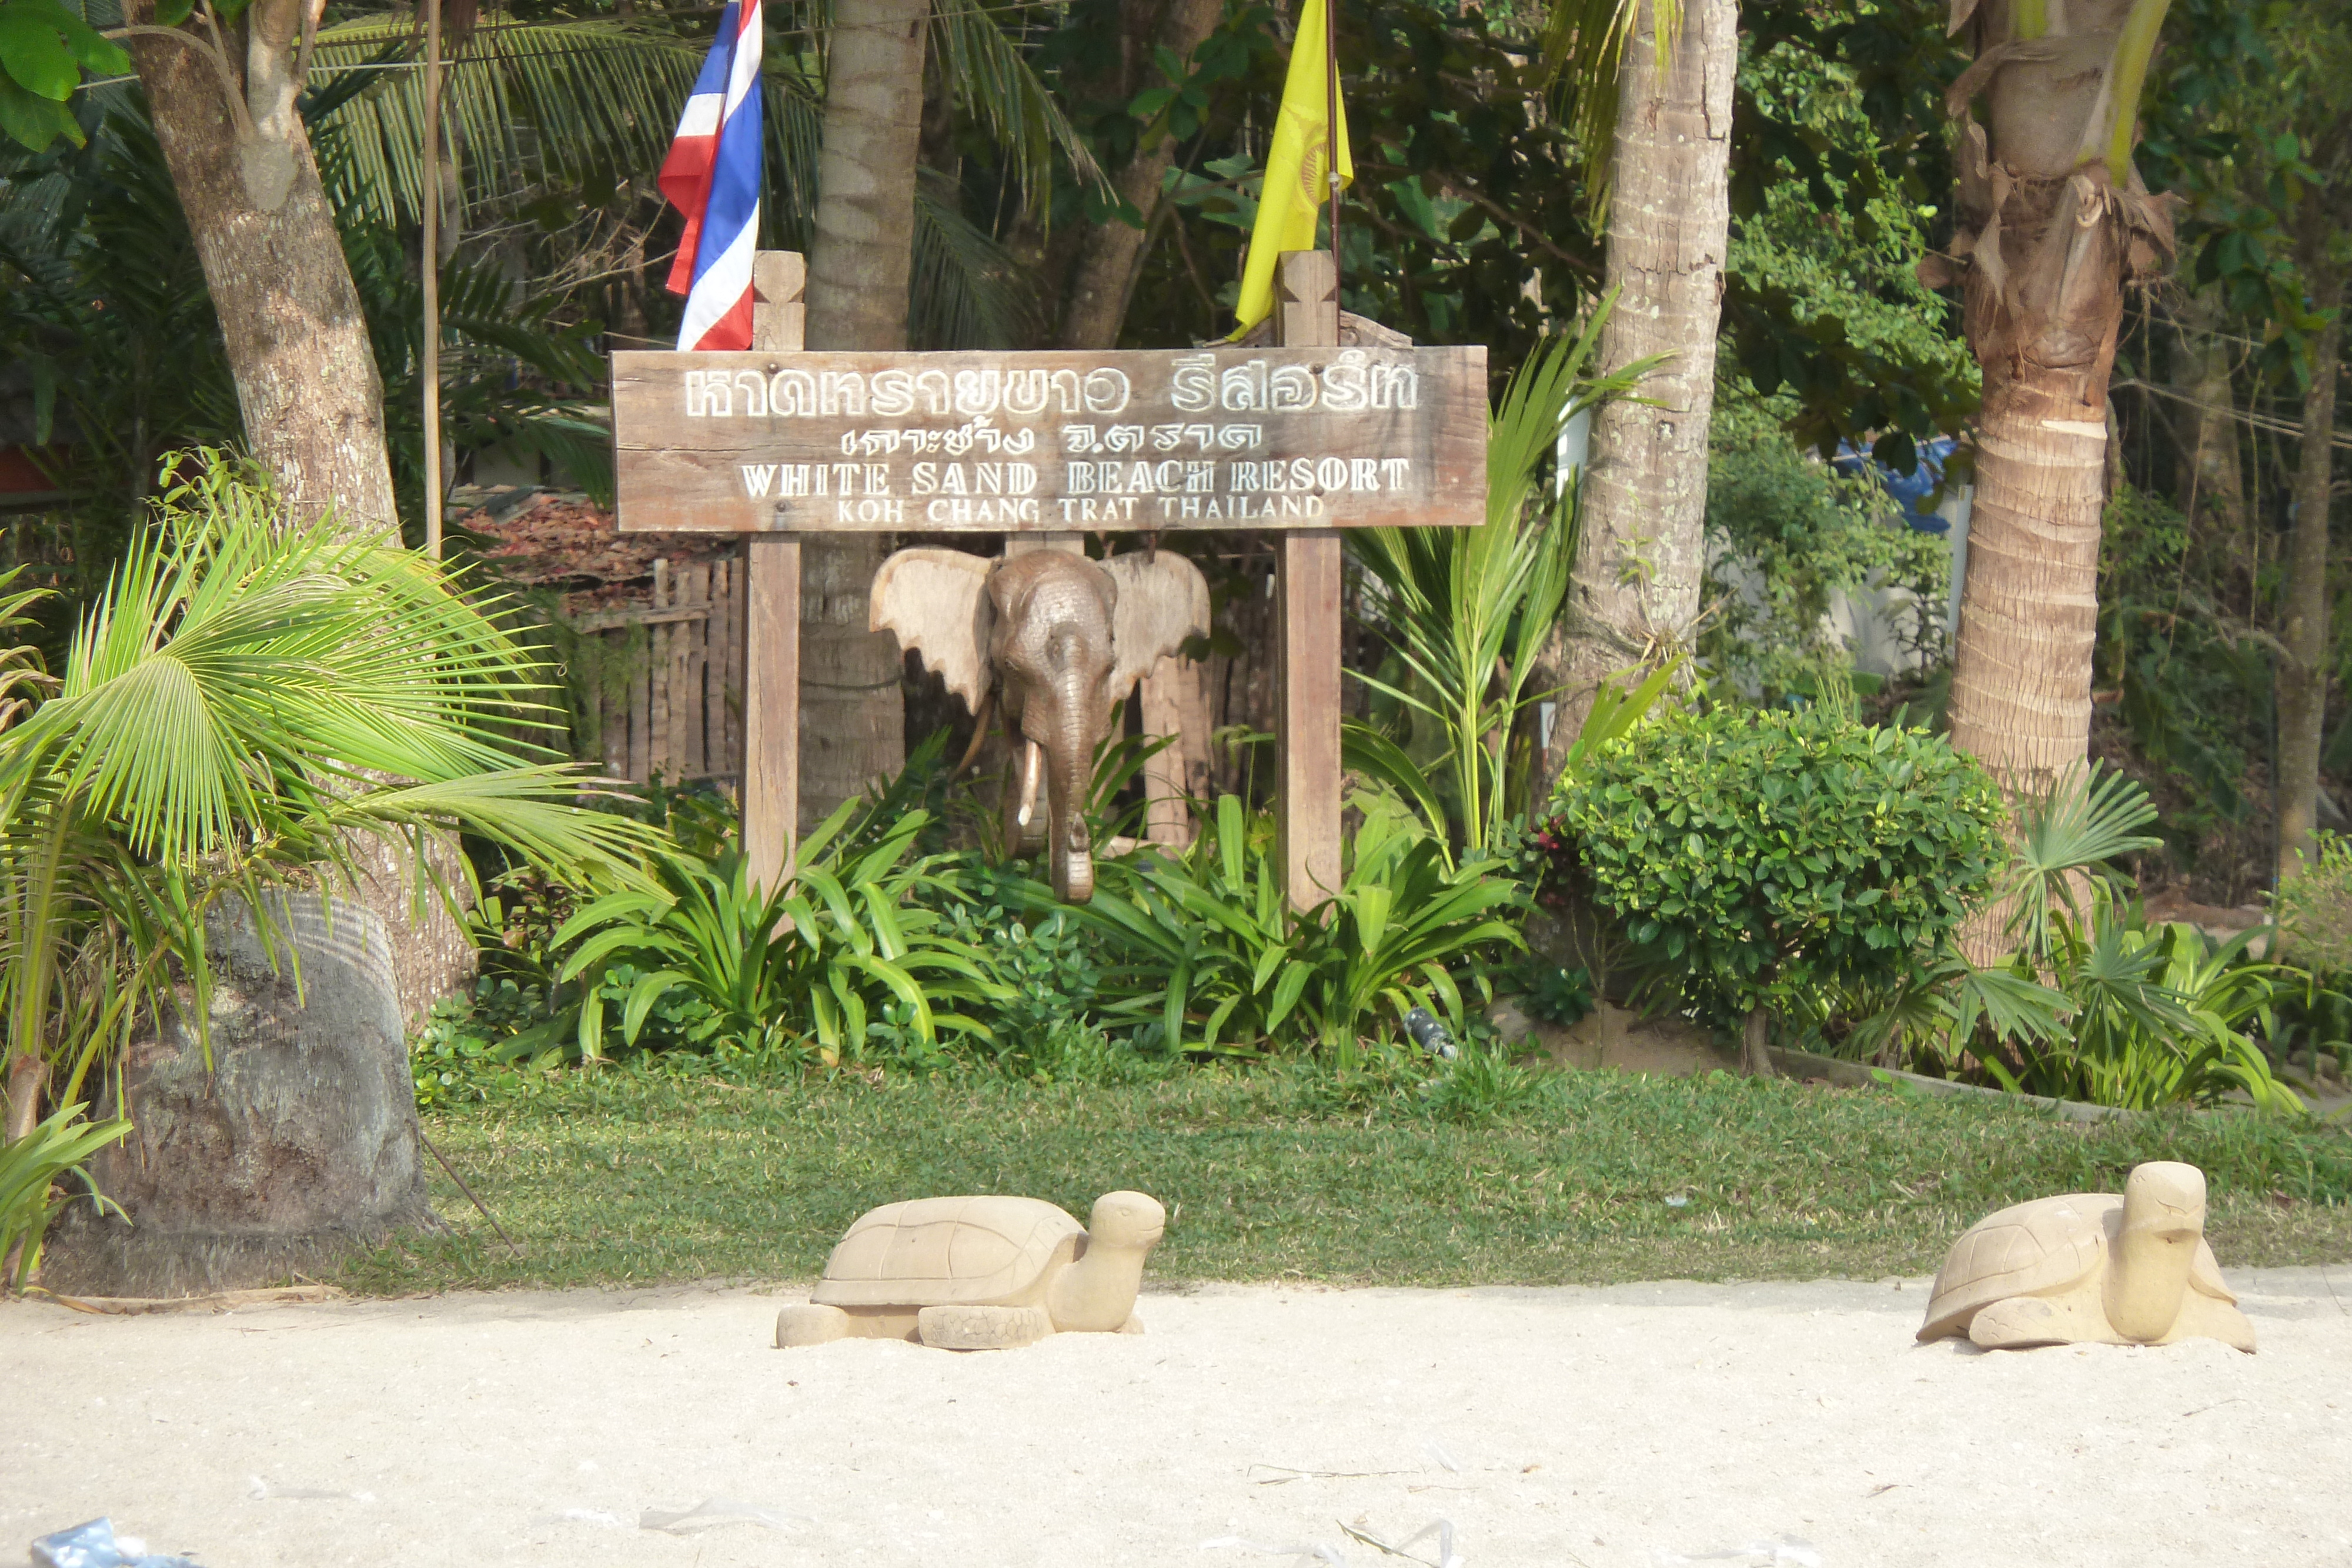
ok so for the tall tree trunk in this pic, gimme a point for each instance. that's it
(2049, 232)
(2209, 482)
(853, 717)
(2302, 673)
(298, 343)
(1643, 552)
(1110, 256)
(297, 348)
(2053, 221)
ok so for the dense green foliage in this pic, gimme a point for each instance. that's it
(1206, 946)
(1468, 610)
(1761, 856)
(1792, 534)
(2314, 910)
(2158, 1016)
(804, 965)
(37, 1173)
(630, 1177)
(878, 957)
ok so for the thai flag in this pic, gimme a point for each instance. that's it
(712, 175)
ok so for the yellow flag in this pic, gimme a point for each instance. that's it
(1297, 165)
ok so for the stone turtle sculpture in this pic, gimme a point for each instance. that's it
(980, 1273)
(2091, 1268)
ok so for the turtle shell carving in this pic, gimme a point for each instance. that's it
(2035, 1249)
(948, 1251)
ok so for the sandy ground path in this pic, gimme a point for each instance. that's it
(1629, 1426)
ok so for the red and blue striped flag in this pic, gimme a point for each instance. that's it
(712, 175)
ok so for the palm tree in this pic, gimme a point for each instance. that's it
(1652, 81)
(231, 709)
(2052, 222)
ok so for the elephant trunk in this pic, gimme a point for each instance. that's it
(1069, 767)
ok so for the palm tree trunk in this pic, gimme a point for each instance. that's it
(1642, 551)
(2052, 222)
(2302, 675)
(1110, 256)
(853, 717)
(2021, 670)
(290, 313)
(297, 345)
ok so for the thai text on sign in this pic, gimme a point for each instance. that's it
(1011, 442)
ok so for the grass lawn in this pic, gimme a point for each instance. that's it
(619, 1178)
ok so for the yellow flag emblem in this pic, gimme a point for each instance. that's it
(1297, 165)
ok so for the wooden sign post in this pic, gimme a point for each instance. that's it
(1306, 438)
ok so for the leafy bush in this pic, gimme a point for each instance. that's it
(2313, 908)
(1555, 992)
(1204, 945)
(1468, 610)
(798, 972)
(1043, 1008)
(2159, 1017)
(2093, 1004)
(1757, 857)
(1791, 535)
(31, 1168)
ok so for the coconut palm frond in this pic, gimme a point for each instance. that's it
(1584, 55)
(997, 85)
(968, 292)
(523, 101)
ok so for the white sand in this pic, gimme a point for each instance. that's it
(1637, 1424)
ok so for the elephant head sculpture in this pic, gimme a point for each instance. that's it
(1062, 640)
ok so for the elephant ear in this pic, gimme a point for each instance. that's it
(1162, 600)
(935, 602)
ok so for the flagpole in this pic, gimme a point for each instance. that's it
(431, 367)
(1332, 136)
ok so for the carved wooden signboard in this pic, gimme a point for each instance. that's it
(1007, 443)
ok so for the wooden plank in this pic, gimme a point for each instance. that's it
(688, 647)
(606, 619)
(772, 717)
(771, 789)
(727, 645)
(1300, 436)
(640, 711)
(612, 714)
(658, 656)
(1307, 812)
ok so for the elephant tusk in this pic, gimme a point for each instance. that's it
(1032, 764)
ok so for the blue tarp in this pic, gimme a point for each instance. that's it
(1911, 491)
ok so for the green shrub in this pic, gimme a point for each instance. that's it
(1759, 857)
(1790, 534)
(2313, 908)
(796, 973)
(33, 1168)
(1204, 945)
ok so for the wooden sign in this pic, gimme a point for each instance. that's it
(1015, 443)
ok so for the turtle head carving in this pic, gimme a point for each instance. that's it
(1126, 1219)
(2163, 1226)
